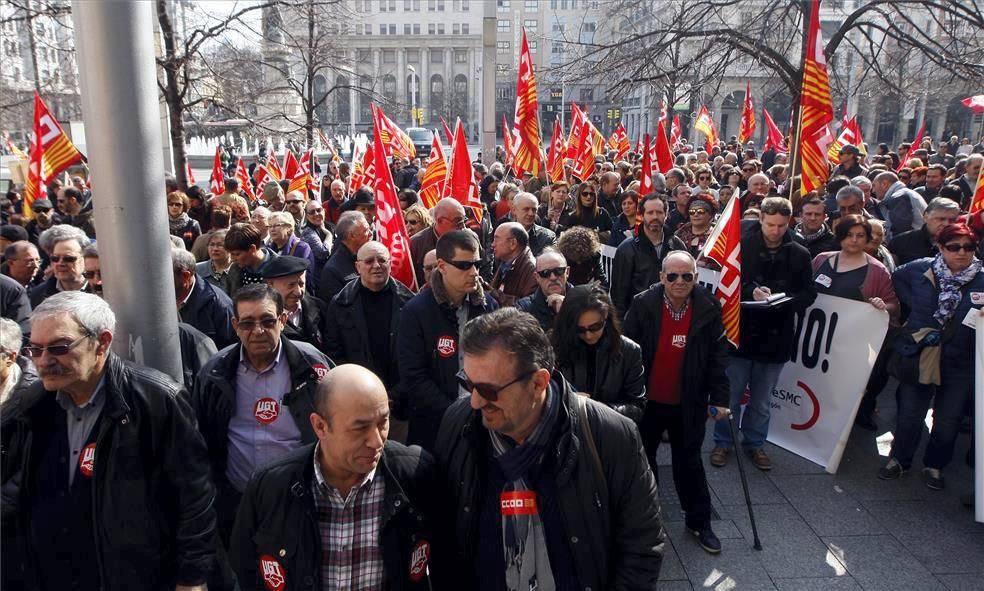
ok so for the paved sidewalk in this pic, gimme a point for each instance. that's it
(849, 531)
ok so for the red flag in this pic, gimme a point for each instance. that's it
(435, 175)
(555, 160)
(262, 176)
(816, 108)
(447, 131)
(574, 138)
(51, 153)
(663, 113)
(507, 140)
(273, 167)
(747, 127)
(526, 157)
(621, 142)
(364, 172)
(774, 137)
(974, 103)
(390, 226)
(664, 157)
(290, 166)
(723, 246)
(914, 146)
(461, 182)
(705, 125)
(242, 175)
(844, 118)
(646, 182)
(190, 176)
(638, 147)
(676, 131)
(395, 141)
(584, 162)
(302, 180)
(215, 180)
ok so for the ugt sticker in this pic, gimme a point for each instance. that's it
(321, 369)
(266, 411)
(446, 346)
(419, 559)
(273, 574)
(87, 460)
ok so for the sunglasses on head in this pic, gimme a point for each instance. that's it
(63, 258)
(556, 272)
(958, 247)
(591, 327)
(463, 265)
(488, 391)
(687, 277)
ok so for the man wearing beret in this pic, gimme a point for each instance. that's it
(306, 314)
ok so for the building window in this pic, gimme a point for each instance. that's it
(382, 6)
(504, 5)
(437, 56)
(392, 5)
(563, 4)
(455, 29)
(431, 28)
(502, 68)
(460, 56)
(531, 4)
(407, 5)
(464, 5)
(502, 47)
(392, 29)
(431, 5)
(440, 5)
(389, 56)
(590, 27)
(587, 95)
(382, 29)
(368, 29)
(358, 29)
(464, 28)
(416, 5)
(553, 4)
(413, 56)
(558, 28)
(503, 25)
(504, 91)
(533, 45)
(557, 49)
(416, 28)
(363, 56)
(440, 28)
(406, 29)
(530, 25)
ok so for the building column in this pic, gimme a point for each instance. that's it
(473, 87)
(376, 59)
(423, 93)
(401, 76)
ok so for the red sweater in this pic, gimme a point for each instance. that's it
(666, 374)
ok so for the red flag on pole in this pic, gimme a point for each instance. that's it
(507, 140)
(664, 157)
(447, 132)
(724, 247)
(526, 156)
(747, 127)
(273, 167)
(51, 153)
(364, 172)
(816, 108)
(190, 176)
(574, 138)
(913, 147)
(390, 226)
(584, 162)
(555, 160)
(676, 131)
(303, 180)
(646, 182)
(290, 166)
(461, 181)
(242, 175)
(773, 137)
(395, 141)
(215, 180)
(621, 142)
(435, 175)
(705, 125)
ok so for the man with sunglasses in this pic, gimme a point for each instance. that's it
(114, 488)
(253, 398)
(44, 218)
(548, 489)
(64, 245)
(449, 215)
(551, 277)
(685, 354)
(428, 351)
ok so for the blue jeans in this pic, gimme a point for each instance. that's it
(951, 396)
(760, 378)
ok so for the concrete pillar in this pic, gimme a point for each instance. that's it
(425, 87)
(123, 135)
(401, 77)
(488, 81)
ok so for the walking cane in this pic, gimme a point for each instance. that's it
(744, 482)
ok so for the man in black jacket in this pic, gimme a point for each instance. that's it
(685, 354)
(351, 233)
(252, 399)
(917, 244)
(815, 233)
(307, 316)
(638, 260)
(547, 488)
(551, 276)
(115, 491)
(200, 304)
(771, 263)
(430, 330)
(389, 492)
(14, 303)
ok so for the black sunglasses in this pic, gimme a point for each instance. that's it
(687, 277)
(463, 265)
(958, 247)
(56, 350)
(587, 194)
(488, 391)
(91, 274)
(63, 258)
(591, 327)
(250, 325)
(556, 272)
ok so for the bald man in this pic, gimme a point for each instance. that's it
(448, 215)
(372, 502)
(515, 277)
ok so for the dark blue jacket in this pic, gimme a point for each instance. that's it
(916, 285)
(210, 311)
(339, 270)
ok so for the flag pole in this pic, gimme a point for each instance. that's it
(795, 158)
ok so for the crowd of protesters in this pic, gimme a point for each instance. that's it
(498, 428)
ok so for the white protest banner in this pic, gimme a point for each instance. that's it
(820, 388)
(979, 424)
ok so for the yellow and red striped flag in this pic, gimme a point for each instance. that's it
(272, 166)
(747, 127)
(816, 108)
(526, 151)
(432, 185)
(242, 175)
(621, 146)
(13, 147)
(363, 172)
(303, 180)
(395, 141)
(705, 125)
(851, 134)
(724, 247)
(51, 153)
(555, 159)
(977, 199)
(574, 137)
(584, 161)
(507, 140)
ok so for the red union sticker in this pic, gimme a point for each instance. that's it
(419, 559)
(87, 460)
(266, 410)
(446, 346)
(518, 503)
(273, 574)
(321, 369)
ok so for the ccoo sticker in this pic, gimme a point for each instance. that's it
(266, 411)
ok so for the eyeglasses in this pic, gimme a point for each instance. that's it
(958, 247)
(687, 277)
(597, 326)
(315, 210)
(488, 391)
(175, 204)
(281, 225)
(63, 259)
(588, 194)
(748, 170)
(250, 325)
(56, 350)
(696, 211)
(91, 274)
(40, 210)
(413, 222)
(556, 272)
(381, 260)
(463, 265)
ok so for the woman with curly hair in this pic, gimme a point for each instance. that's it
(593, 355)
(581, 248)
(180, 224)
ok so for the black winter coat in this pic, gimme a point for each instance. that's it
(314, 324)
(911, 246)
(705, 360)
(536, 304)
(277, 518)
(339, 270)
(619, 380)
(209, 310)
(637, 265)
(14, 303)
(611, 520)
(152, 510)
(767, 333)
(196, 350)
(347, 335)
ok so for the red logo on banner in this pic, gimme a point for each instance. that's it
(419, 559)
(814, 416)
(87, 460)
(273, 573)
(446, 346)
(518, 503)
(266, 410)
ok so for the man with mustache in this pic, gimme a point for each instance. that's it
(114, 488)
(552, 273)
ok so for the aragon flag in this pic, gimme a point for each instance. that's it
(51, 153)
(526, 126)
(435, 175)
(724, 247)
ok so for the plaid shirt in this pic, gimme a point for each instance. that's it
(351, 550)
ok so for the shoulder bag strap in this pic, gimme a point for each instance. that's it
(582, 412)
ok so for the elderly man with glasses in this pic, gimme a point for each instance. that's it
(64, 245)
(449, 215)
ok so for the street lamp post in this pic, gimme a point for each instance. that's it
(413, 95)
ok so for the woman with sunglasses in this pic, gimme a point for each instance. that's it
(700, 211)
(417, 219)
(588, 214)
(594, 356)
(179, 222)
(705, 180)
(944, 295)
